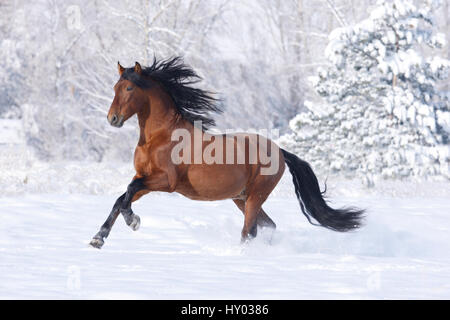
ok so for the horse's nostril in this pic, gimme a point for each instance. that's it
(114, 119)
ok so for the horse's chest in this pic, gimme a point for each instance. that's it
(143, 161)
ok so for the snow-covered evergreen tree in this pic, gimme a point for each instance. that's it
(383, 115)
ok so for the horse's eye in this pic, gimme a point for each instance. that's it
(129, 88)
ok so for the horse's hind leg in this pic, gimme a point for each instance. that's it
(257, 192)
(251, 211)
(262, 218)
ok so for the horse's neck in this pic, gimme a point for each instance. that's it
(159, 120)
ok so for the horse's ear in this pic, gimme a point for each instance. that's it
(120, 68)
(137, 68)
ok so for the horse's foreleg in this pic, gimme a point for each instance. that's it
(131, 219)
(105, 229)
(137, 188)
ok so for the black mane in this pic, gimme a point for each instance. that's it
(176, 78)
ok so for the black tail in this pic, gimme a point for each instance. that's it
(311, 200)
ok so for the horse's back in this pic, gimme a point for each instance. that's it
(230, 163)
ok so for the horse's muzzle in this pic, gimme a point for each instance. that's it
(116, 121)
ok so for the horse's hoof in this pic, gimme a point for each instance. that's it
(246, 239)
(97, 243)
(135, 223)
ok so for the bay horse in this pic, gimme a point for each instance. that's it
(165, 101)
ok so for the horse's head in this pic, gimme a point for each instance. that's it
(129, 98)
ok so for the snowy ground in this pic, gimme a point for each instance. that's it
(188, 249)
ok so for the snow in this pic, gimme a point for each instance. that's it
(11, 131)
(191, 250)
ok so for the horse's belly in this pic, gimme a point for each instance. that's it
(213, 182)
